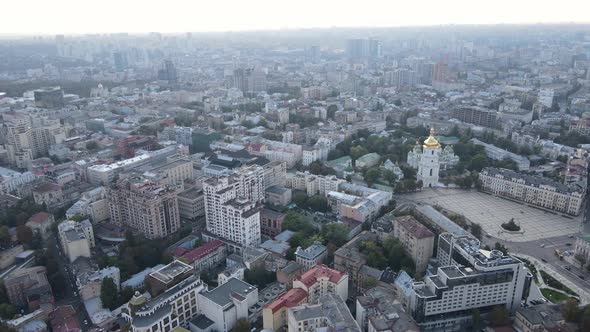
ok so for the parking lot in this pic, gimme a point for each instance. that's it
(490, 212)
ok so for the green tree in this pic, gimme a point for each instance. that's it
(335, 233)
(300, 199)
(500, 247)
(476, 230)
(318, 203)
(259, 276)
(108, 293)
(78, 217)
(372, 174)
(476, 318)
(24, 234)
(7, 311)
(570, 310)
(91, 145)
(389, 176)
(332, 111)
(242, 325)
(499, 316)
(358, 151)
(4, 235)
(478, 162)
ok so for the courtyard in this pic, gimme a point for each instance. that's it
(490, 212)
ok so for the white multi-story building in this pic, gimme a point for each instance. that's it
(226, 304)
(313, 184)
(467, 278)
(232, 205)
(76, 238)
(174, 308)
(429, 165)
(93, 204)
(275, 173)
(534, 190)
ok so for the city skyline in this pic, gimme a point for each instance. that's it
(68, 17)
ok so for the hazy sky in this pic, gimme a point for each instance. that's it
(84, 16)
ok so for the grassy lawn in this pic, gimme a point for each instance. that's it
(553, 296)
(551, 281)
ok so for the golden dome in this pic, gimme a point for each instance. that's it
(431, 142)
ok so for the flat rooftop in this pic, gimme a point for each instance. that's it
(167, 273)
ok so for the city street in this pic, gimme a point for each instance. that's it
(71, 297)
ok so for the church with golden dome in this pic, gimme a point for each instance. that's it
(427, 161)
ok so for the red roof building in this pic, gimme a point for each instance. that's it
(206, 256)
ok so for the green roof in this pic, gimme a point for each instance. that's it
(340, 160)
(368, 157)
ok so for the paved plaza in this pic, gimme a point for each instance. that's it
(490, 212)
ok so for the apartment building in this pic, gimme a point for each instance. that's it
(313, 184)
(322, 280)
(275, 173)
(417, 239)
(275, 314)
(174, 171)
(232, 205)
(207, 256)
(379, 310)
(538, 191)
(311, 256)
(147, 207)
(467, 278)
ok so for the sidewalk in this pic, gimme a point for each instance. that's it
(583, 293)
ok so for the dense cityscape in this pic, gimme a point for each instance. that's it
(366, 179)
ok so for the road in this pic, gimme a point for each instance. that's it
(70, 293)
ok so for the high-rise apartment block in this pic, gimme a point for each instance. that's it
(232, 205)
(147, 207)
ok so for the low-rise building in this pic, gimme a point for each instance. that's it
(29, 287)
(137, 281)
(275, 314)
(271, 222)
(321, 280)
(311, 256)
(539, 318)
(278, 195)
(159, 281)
(41, 223)
(207, 256)
(379, 311)
(331, 313)
(90, 283)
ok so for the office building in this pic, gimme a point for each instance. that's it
(467, 278)
(232, 205)
(417, 239)
(475, 115)
(147, 207)
(49, 97)
(534, 190)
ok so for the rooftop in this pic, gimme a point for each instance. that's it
(289, 299)
(312, 252)
(413, 227)
(206, 249)
(167, 273)
(222, 295)
(530, 180)
(321, 272)
(332, 309)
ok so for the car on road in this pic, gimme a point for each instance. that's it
(85, 322)
(542, 245)
(571, 236)
(543, 260)
(568, 244)
(581, 277)
(567, 268)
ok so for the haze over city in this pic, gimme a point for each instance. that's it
(173, 16)
(306, 166)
